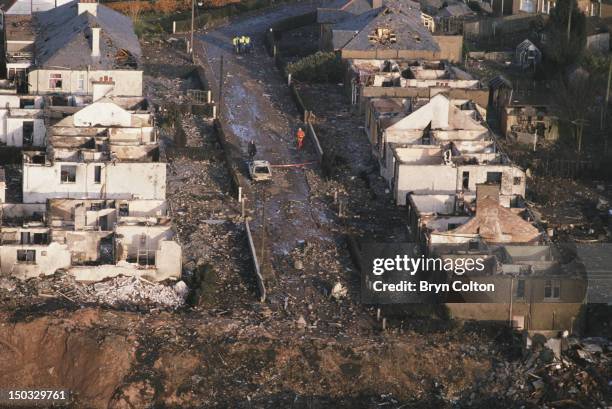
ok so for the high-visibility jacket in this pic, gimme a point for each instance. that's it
(243, 40)
(247, 40)
(300, 135)
(235, 41)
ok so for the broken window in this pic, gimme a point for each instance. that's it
(55, 81)
(520, 289)
(517, 180)
(25, 237)
(68, 174)
(28, 133)
(98, 174)
(124, 209)
(26, 256)
(40, 238)
(494, 178)
(466, 180)
(552, 289)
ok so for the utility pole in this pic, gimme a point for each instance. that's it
(263, 232)
(569, 20)
(607, 100)
(192, 27)
(221, 76)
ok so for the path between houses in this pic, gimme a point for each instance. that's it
(257, 105)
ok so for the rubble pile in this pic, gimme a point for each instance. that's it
(116, 292)
(561, 372)
(135, 290)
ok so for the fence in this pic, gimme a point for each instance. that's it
(260, 281)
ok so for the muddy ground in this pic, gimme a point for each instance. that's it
(299, 349)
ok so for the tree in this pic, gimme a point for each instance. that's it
(565, 34)
(135, 8)
(576, 96)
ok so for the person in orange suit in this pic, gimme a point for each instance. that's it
(300, 138)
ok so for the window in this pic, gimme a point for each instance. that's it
(98, 174)
(517, 180)
(55, 81)
(520, 289)
(466, 180)
(26, 256)
(28, 133)
(552, 289)
(81, 82)
(124, 209)
(473, 245)
(528, 6)
(494, 178)
(68, 174)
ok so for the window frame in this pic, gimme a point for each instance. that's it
(26, 256)
(552, 286)
(97, 174)
(62, 172)
(55, 79)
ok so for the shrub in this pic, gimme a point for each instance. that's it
(317, 67)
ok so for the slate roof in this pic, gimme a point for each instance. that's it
(341, 10)
(6, 4)
(64, 39)
(403, 19)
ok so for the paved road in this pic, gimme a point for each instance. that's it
(257, 105)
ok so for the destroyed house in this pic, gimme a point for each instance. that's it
(19, 47)
(101, 151)
(22, 119)
(393, 31)
(444, 147)
(85, 48)
(412, 79)
(467, 221)
(535, 290)
(525, 114)
(87, 238)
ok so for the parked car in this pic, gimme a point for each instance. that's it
(260, 170)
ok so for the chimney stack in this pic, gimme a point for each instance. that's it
(484, 190)
(95, 41)
(377, 4)
(88, 5)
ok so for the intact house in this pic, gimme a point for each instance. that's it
(84, 48)
(445, 16)
(80, 51)
(93, 200)
(411, 79)
(394, 30)
(442, 146)
(338, 11)
(535, 288)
